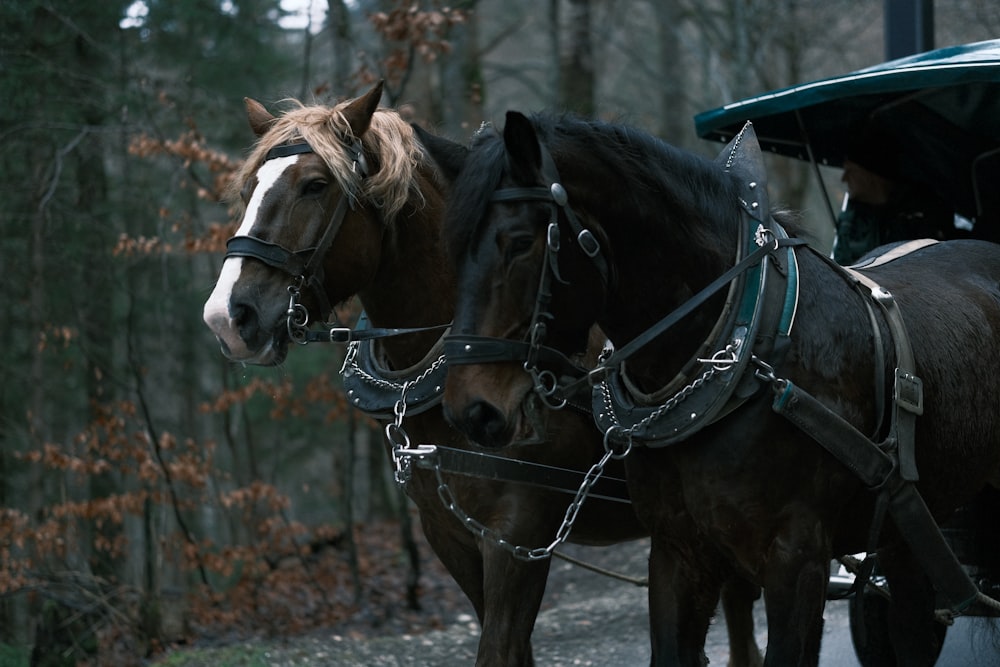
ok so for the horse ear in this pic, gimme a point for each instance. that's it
(524, 154)
(358, 113)
(259, 117)
(447, 155)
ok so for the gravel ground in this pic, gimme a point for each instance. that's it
(587, 619)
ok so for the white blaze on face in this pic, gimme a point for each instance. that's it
(216, 312)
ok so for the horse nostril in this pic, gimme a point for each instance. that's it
(246, 320)
(485, 424)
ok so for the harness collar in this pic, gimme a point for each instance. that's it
(755, 324)
(374, 388)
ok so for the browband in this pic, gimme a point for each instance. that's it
(288, 149)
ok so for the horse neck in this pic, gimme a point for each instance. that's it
(413, 284)
(657, 272)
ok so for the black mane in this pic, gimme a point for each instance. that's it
(653, 176)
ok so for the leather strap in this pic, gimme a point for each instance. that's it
(471, 349)
(272, 254)
(490, 466)
(908, 400)
(348, 335)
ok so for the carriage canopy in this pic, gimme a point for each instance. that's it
(940, 110)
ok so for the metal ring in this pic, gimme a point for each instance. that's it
(609, 446)
(396, 436)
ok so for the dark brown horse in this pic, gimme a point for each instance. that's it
(558, 222)
(352, 181)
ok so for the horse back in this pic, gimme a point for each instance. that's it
(949, 297)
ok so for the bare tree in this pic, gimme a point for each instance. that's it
(338, 27)
(577, 82)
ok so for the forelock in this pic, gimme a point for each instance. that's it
(471, 192)
(389, 142)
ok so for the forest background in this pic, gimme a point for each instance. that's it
(153, 493)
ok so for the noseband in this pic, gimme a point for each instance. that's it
(306, 265)
(474, 349)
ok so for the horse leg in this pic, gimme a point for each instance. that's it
(457, 551)
(738, 596)
(915, 635)
(514, 590)
(795, 586)
(682, 599)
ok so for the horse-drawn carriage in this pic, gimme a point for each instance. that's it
(932, 120)
(771, 409)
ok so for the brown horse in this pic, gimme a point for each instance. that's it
(351, 186)
(559, 222)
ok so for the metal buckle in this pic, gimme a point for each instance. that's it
(588, 243)
(552, 238)
(764, 236)
(340, 335)
(909, 392)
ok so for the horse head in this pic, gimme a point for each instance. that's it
(523, 259)
(316, 175)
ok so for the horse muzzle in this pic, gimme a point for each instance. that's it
(494, 422)
(242, 339)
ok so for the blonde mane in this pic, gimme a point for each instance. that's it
(389, 138)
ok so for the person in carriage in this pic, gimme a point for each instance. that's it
(883, 206)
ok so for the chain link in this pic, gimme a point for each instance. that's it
(670, 404)
(399, 439)
(403, 454)
(351, 366)
(297, 317)
(520, 552)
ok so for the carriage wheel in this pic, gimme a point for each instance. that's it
(869, 621)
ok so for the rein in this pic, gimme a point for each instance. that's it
(616, 358)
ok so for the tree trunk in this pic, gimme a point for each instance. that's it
(674, 122)
(577, 83)
(338, 23)
(462, 75)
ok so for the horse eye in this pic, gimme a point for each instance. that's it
(314, 187)
(246, 191)
(518, 245)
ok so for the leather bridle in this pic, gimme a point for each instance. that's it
(546, 365)
(305, 265)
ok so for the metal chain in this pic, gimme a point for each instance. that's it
(350, 363)
(669, 405)
(403, 454)
(399, 440)
(520, 552)
(297, 317)
(402, 458)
